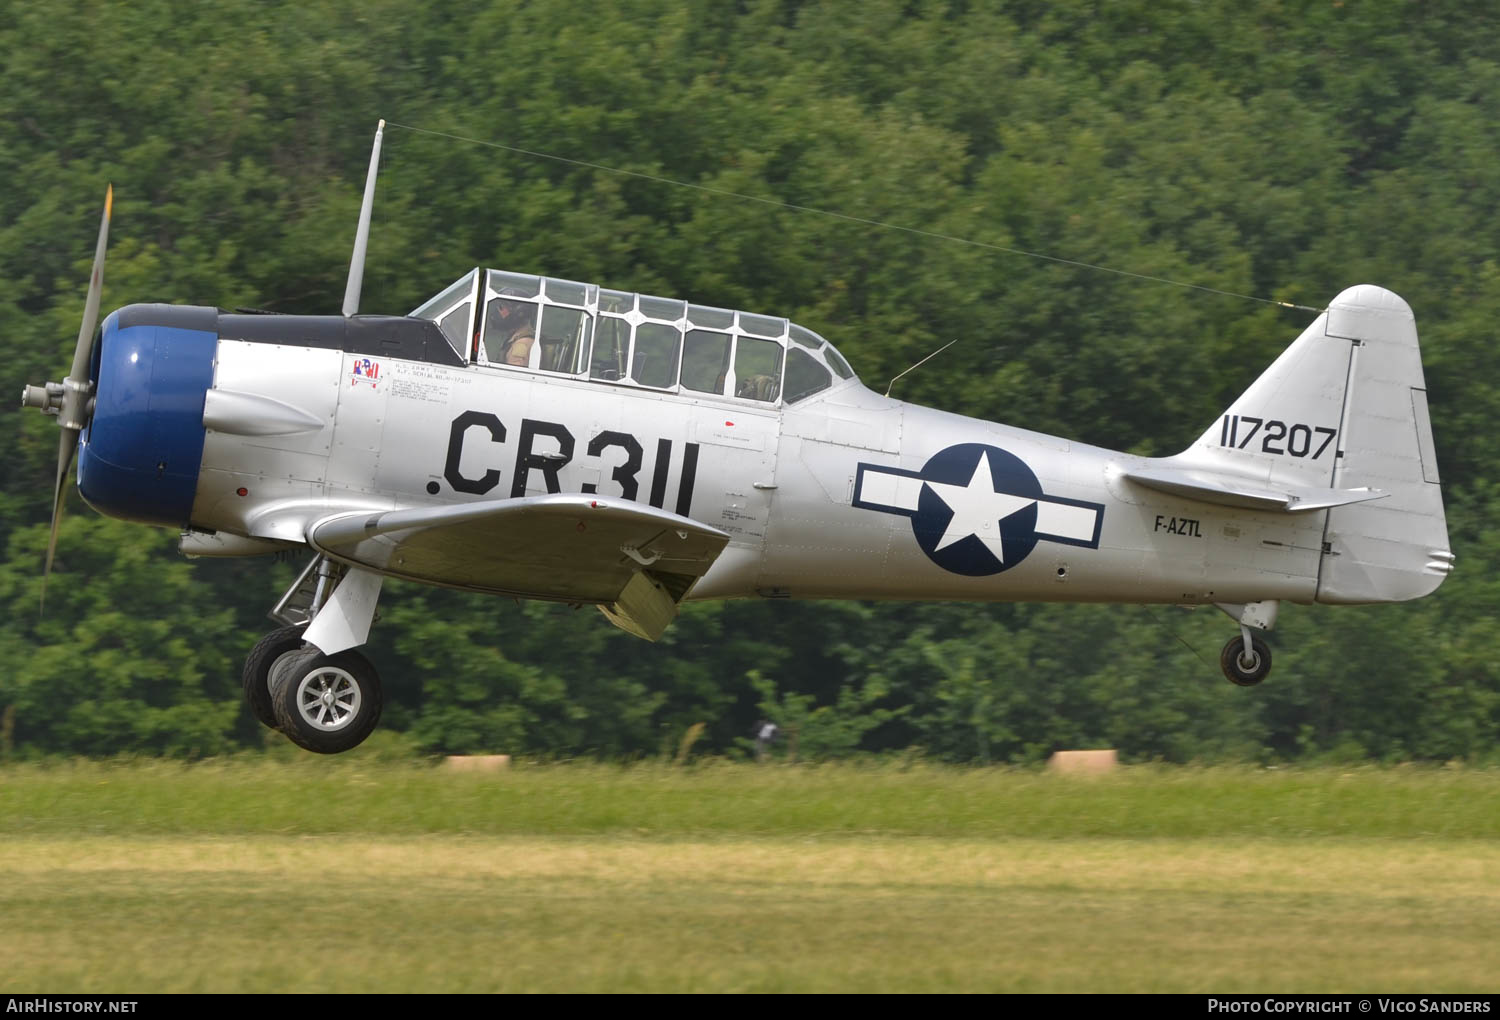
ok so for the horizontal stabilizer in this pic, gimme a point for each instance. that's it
(1229, 490)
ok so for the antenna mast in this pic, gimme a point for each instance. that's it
(362, 234)
(919, 364)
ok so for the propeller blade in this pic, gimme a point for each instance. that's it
(73, 404)
(96, 287)
(66, 444)
(75, 386)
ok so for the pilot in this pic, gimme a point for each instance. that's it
(512, 329)
(757, 387)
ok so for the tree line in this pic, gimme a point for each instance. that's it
(1273, 150)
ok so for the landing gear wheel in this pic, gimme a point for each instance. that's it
(326, 703)
(263, 658)
(1240, 671)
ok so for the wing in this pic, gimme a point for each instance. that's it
(635, 562)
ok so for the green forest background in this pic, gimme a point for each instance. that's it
(1276, 149)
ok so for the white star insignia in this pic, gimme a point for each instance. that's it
(977, 508)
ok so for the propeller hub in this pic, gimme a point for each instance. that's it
(75, 398)
(48, 398)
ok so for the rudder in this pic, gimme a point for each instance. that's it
(1395, 548)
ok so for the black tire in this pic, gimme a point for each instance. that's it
(256, 676)
(1239, 672)
(343, 716)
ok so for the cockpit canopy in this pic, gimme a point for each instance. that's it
(562, 327)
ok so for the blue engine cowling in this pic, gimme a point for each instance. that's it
(138, 458)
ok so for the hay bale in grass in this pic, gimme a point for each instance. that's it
(1087, 763)
(476, 762)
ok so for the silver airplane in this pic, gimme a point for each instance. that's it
(547, 439)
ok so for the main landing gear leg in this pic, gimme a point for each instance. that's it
(1246, 659)
(307, 679)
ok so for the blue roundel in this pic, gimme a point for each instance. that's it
(958, 523)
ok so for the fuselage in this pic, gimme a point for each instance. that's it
(245, 428)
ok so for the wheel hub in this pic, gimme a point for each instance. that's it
(328, 698)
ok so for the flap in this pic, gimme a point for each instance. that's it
(1230, 490)
(565, 547)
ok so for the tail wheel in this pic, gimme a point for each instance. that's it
(326, 703)
(268, 652)
(1245, 671)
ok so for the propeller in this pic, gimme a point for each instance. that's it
(72, 399)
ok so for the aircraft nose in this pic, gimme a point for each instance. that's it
(139, 457)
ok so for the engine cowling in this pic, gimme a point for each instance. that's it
(138, 459)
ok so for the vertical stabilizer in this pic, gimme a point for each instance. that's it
(1283, 430)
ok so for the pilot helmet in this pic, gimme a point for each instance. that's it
(509, 305)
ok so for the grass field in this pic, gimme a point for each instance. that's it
(362, 875)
